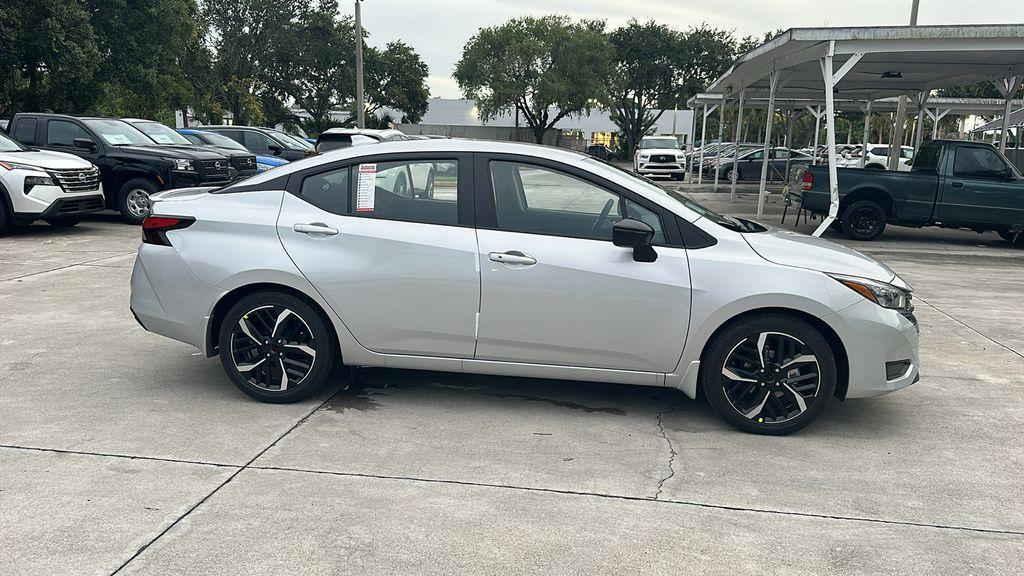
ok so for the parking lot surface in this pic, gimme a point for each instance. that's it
(122, 451)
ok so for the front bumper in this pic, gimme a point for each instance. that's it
(661, 169)
(874, 336)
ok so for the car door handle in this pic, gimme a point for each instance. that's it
(957, 184)
(512, 257)
(315, 228)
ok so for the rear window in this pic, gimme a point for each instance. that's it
(927, 159)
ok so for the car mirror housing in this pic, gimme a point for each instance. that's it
(85, 143)
(635, 234)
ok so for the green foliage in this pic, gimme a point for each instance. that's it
(535, 65)
(396, 77)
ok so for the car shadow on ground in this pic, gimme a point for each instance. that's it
(378, 389)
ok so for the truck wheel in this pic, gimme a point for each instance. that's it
(1012, 238)
(5, 219)
(863, 220)
(133, 200)
(65, 222)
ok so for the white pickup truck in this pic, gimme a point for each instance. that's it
(52, 186)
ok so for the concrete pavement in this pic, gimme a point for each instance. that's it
(121, 451)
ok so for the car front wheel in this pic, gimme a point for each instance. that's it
(769, 374)
(275, 347)
(133, 200)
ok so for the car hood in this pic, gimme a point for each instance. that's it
(803, 251)
(46, 160)
(271, 160)
(172, 152)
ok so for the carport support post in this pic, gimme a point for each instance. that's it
(867, 133)
(736, 147)
(922, 101)
(789, 147)
(830, 133)
(773, 82)
(703, 144)
(1008, 87)
(721, 131)
(816, 111)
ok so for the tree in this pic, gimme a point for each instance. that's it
(321, 63)
(645, 79)
(142, 46)
(547, 68)
(397, 79)
(49, 56)
(246, 36)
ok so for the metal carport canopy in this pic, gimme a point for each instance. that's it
(1016, 119)
(871, 63)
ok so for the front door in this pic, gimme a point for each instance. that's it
(555, 290)
(982, 190)
(384, 244)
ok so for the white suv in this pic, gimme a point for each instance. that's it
(877, 158)
(52, 186)
(660, 156)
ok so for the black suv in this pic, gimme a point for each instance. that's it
(243, 164)
(131, 164)
(266, 141)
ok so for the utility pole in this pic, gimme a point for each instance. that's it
(360, 108)
(901, 108)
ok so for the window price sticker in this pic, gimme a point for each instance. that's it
(365, 187)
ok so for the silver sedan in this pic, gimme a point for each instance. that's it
(518, 260)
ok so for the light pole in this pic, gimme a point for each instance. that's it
(360, 108)
(901, 108)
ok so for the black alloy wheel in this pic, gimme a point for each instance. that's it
(275, 347)
(770, 375)
(864, 220)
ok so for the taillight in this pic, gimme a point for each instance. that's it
(807, 181)
(155, 228)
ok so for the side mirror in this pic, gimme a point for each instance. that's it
(635, 234)
(85, 143)
(275, 150)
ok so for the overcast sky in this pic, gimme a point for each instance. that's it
(438, 29)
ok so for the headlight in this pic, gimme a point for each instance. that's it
(263, 167)
(32, 181)
(885, 295)
(182, 165)
(16, 166)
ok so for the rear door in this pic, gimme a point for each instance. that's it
(396, 264)
(981, 189)
(555, 290)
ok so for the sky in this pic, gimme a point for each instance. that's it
(438, 29)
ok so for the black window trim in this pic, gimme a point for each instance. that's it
(464, 202)
(487, 218)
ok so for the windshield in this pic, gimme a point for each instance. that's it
(648, 143)
(291, 142)
(118, 133)
(735, 224)
(161, 134)
(222, 141)
(8, 144)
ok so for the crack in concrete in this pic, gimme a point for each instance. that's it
(672, 451)
(65, 267)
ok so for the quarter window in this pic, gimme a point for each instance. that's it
(540, 200)
(329, 190)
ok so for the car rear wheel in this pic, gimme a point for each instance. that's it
(133, 200)
(863, 220)
(276, 347)
(769, 374)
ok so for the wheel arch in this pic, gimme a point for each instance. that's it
(873, 193)
(830, 335)
(229, 299)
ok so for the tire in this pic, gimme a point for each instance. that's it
(5, 217)
(303, 333)
(402, 186)
(738, 397)
(1011, 238)
(64, 222)
(863, 220)
(133, 200)
(874, 167)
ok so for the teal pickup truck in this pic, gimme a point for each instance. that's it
(952, 184)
